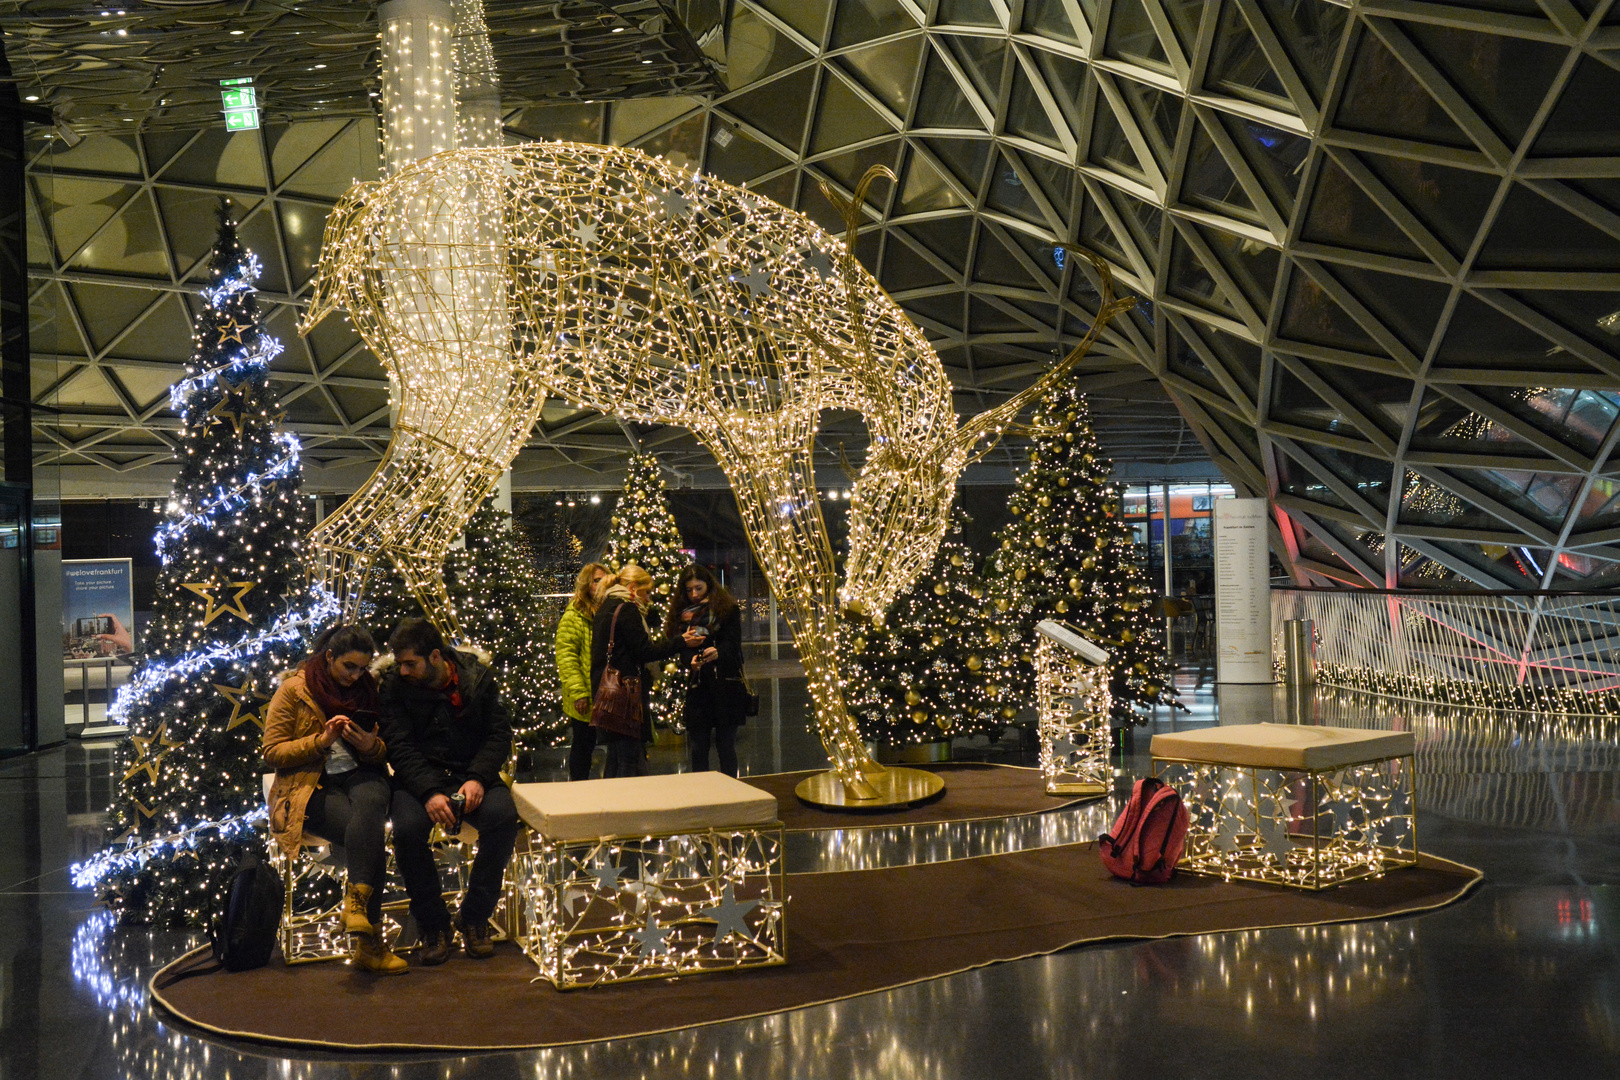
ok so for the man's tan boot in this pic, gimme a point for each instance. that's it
(355, 901)
(370, 954)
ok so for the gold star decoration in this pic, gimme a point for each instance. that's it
(231, 331)
(142, 745)
(228, 410)
(145, 813)
(210, 591)
(241, 699)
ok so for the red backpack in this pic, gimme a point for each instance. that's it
(1149, 835)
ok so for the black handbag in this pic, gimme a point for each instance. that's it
(616, 709)
(744, 698)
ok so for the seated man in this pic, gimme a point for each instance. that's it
(448, 733)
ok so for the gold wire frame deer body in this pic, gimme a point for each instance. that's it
(487, 279)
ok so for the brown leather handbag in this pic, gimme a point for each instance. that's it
(616, 709)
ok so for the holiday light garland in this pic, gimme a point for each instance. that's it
(134, 855)
(486, 280)
(235, 499)
(290, 629)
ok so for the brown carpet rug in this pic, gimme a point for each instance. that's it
(848, 934)
(973, 792)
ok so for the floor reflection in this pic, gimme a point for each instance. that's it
(1490, 985)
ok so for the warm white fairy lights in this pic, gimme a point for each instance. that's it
(1071, 693)
(635, 289)
(1310, 829)
(627, 908)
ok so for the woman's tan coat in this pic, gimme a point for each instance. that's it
(292, 725)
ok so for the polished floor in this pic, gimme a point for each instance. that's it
(1520, 979)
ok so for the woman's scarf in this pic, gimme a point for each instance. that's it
(357, 702)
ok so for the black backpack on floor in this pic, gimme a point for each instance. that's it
(245, 933)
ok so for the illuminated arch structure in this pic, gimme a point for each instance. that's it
(488, 279)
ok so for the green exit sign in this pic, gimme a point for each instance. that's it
(241, 104)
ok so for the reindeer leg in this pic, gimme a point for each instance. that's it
(776, 495)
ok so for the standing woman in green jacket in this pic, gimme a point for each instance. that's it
(574, 666)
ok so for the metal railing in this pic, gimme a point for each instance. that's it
(1545, 652)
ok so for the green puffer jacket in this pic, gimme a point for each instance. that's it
(574, 661)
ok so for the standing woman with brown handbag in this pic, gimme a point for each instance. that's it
(621, 649)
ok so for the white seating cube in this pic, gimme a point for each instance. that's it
(646, 877)
(1304, 806)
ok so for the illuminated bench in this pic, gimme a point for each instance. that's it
(644, 877)
(1287, 804)
(1071, 694)
(313, 883)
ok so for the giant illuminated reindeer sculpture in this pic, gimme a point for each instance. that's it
(487, 279)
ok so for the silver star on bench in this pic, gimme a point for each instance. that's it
(731, 915)
(607, 875)
(654, 938)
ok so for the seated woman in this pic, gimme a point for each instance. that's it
(634, 648)
(320, 735)
(716, 696)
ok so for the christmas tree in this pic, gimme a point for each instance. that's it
(504, 611)
(643, 531)
(1066, 555)
(231, 612)
(924, 673)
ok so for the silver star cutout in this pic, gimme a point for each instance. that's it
(757, 281)
(820, 262)
(607, 875)
(572, 896)
(654, 938)
(1064, 750)
(586, 231)
(720, 247)
(731, 915)
(545, 261)
(674, 202)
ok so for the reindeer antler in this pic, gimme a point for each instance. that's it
(995, 422)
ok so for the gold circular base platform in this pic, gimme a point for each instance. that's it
(894, 787)
(1095, 791)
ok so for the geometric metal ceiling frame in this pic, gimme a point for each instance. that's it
(1377, 278)
(1266, 178)
(1276, 182)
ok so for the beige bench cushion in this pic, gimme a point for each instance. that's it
(1282, 746)
(642, 805)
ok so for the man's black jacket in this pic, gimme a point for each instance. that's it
(433, 749)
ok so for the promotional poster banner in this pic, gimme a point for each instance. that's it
(1242, 591)
(98, 608)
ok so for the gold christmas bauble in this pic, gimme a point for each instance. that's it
(1019, 574)
(956, 560)
(1068, 436)
(1001, 605)
(994, 636)
(1063, 481)
(860, 643)
(944, 722)
(1006, 545)
(918, 716)
(974, 663)
(1040, 541)
(953, 619)
(913, 698)
(1008, 712)
(1088, 562)
(939, 589)
(1046, 500)
(935, 640)
(1072, 417)
(1127, 636)
(1074, 585)
(1062, 606)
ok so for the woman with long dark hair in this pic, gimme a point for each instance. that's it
(320, 735)
(716, 693)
